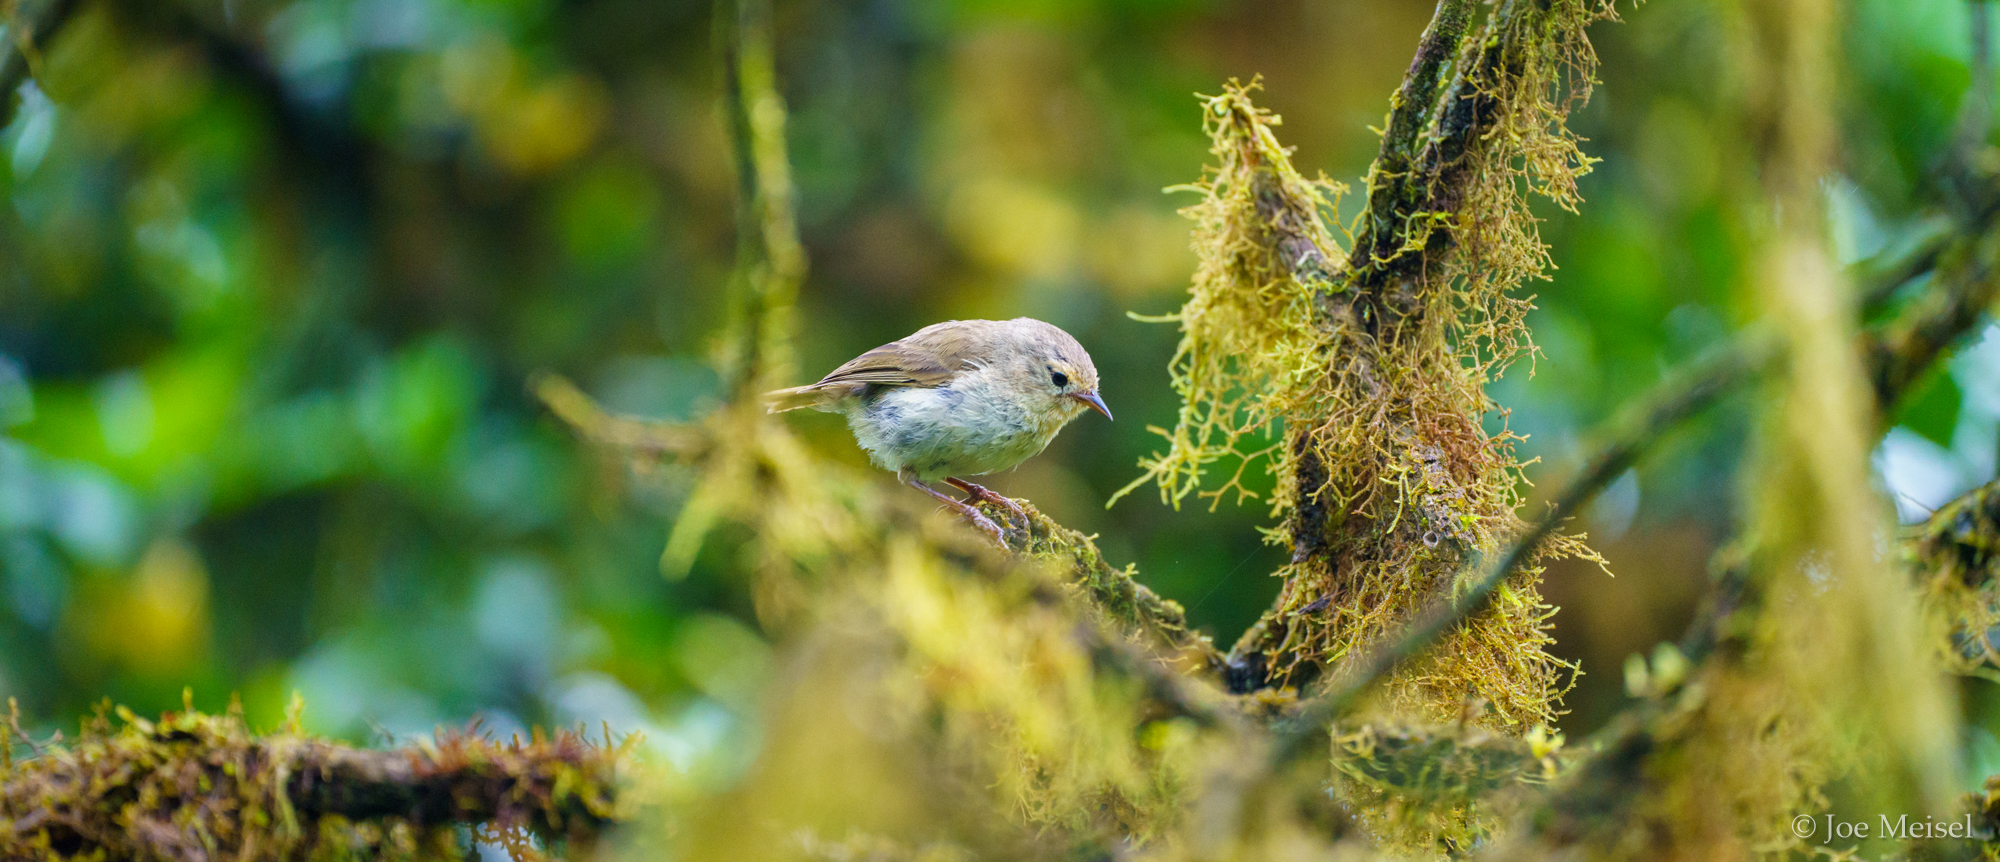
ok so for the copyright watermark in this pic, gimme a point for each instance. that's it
(1829, 827)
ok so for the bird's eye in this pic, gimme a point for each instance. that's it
(1059, 379)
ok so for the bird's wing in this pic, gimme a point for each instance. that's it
(927, 359)
(894, 364)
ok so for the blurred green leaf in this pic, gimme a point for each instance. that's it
(1932, 408)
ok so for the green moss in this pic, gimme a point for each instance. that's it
(1357, 375)
(198, 786)
(1113, 593)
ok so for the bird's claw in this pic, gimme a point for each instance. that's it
(987, 526)
(983, 494)
(965, 510)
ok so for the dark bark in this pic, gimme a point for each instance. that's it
(1409, 173)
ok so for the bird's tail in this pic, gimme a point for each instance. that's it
(781, 400)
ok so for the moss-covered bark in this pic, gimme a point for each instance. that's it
(192, 786)
(1373, 358)
(1114, 592)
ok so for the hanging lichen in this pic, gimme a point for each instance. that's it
(1358, 376)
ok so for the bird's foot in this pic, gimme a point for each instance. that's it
(984, 495)
(985, 524)
(965, 510)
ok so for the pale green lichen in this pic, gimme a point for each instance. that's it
(1360, 386)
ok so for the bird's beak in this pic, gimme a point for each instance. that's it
(1090, 397)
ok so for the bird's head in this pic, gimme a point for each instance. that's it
(1052, 372)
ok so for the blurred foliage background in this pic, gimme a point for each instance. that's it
(273, 274)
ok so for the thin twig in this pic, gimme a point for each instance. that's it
(1900, 351)
(1916, 252)
(591, 421)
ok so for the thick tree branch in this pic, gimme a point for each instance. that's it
(192, 787)
(1392, 178)
(1445, 224)
(1422, 175)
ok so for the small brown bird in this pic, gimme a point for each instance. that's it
(959, 398)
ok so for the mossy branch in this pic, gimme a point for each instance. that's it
(1947, 556)
(1391, 178)
(1424, 173)
(1897, 352)
(1954, 541)
(1114, 592)
(193, 786)
(1376, 365)
(1633, 434)
(771, 262)
(1427, 790)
